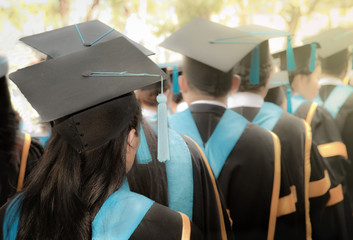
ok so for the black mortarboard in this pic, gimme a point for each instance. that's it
(173, 76)
(279, 79)
(218, 46)
(305, 58)
(73, 38)
(88, 93)
(332, 41)
(4, 66)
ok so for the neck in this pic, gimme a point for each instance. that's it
(325, 75)
(261, 92)
(192, 97)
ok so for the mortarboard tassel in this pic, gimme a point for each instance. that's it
(289, 99)
(255, 66)
(163, 142)
(290, 55)
(175, 80)
(143, 153)
(175, 76)
(312, 57)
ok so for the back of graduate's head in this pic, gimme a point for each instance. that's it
(243, 69)
(333, 53)
(148, 95)
(206, 79)
(304, 79)
(337, 64)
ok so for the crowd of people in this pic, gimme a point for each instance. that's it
(260, 149)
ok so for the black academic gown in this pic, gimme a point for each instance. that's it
(247, 179)
(9, 174)
(326, 136)
(344, 120)
(297, 169)
(209, 211)
(159, 223)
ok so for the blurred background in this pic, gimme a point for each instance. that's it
(149, 22)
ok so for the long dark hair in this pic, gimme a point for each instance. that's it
(150, 179)
(8, 129)
(66, 190)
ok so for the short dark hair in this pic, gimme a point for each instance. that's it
(335, 64)
(148, 94)
(206, 79)
(244, 67)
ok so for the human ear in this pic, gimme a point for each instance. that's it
(235, 84)
(183, 85)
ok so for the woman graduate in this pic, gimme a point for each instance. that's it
(79, 190)
(18, 152)
(304, 84)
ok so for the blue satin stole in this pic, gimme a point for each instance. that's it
(222, 141)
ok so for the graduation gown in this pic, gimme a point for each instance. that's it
(125, 215)
(9, 174)
(209, 211)
(250, 176)
(343, 118)
(333, 151)
(299, 170)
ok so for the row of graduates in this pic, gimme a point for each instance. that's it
(282, 180)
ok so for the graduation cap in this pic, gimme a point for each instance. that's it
(304, 56)
(4, 66)
(88, 94)
(276, 93)
(305, 60)
(76, 37)
(219, 46)
(332, 41)
(175, 75)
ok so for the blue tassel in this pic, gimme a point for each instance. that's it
(289, 99)
(175, 80)
(143, 153)
(290, 55)
(312, 57)
(163, 142)
(255, 66)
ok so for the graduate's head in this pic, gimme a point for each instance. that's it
(206, 80)
(207, 63)
(243, 69)
(89, 88)
(333, 53)
(147, 96)
(337, 64)
(304, 79)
